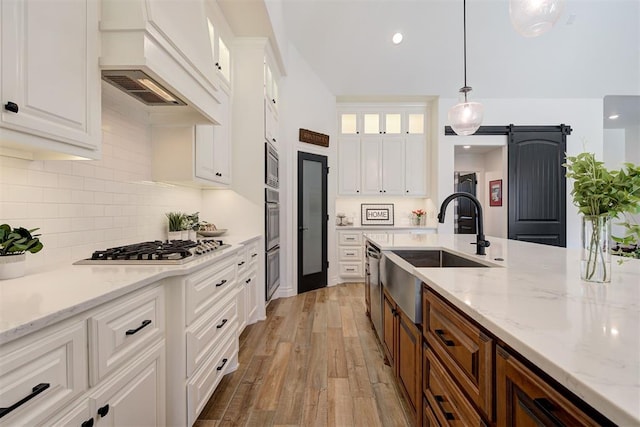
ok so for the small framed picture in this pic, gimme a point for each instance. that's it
(495, 192)
(379, 214)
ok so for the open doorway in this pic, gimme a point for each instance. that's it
(488, 164)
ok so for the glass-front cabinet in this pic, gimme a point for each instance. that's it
(382, 149)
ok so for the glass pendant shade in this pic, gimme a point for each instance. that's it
(534, 17)
(466, 117)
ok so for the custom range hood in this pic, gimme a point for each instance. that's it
(160, 53)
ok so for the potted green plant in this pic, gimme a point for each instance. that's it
(14, 244)
(176, 221)
(193, 224)
(600, 195)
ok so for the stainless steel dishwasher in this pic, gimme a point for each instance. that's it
(373, 281)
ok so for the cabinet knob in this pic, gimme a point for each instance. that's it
(273, 100)
(357, 191)
(88, 423)
(11, 106)
(357, 132)
(273, 139)
(407, 191)
(104, 410)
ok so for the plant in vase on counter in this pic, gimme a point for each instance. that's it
(600, 195)
(416, 216)
(14, 244)
(176, 221)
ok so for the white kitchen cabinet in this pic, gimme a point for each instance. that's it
(349, 166)
(202, 335)
(382, 166)
(415, 166)
(383, 150)
(50, 86)
(198, 155)
(221, 53)
(50, 366)
(135, 396)
(271, 102)
(350, 249)
(241, 297)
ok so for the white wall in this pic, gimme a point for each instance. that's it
(402, 207)
(85, 205)
(305, 103)
(583, 115)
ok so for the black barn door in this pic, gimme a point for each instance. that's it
(466, 210)
(537, 186)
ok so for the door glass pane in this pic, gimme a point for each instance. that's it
(348, 124)
(312, 217)
(371, 123)
(416, 123)
(393, 123)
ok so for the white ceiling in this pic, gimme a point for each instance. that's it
(593, 51)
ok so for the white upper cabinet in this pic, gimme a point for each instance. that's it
(50, 87)
(382, 150)
(271, 126)
(415, 170)
(221, 54)
(349, 166)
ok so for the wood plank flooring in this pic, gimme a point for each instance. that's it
(315, 361)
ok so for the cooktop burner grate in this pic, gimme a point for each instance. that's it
(154, 252)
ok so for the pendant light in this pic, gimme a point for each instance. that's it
(531, 18)
(465, 117)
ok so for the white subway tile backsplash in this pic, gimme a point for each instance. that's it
(82, 206)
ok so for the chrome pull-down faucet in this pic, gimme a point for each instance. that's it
(481, 243)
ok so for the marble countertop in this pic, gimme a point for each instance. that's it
(584, 335)
(35, 301)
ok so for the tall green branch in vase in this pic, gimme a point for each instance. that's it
(599, 192)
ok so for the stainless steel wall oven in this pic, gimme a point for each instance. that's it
(271, 166)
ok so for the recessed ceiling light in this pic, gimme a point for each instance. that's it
(397, 38)
(466, 147)
(614, 116)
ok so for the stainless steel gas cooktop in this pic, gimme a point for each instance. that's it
(173, 252)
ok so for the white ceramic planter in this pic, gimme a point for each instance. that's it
(174, 235)
(12, 266)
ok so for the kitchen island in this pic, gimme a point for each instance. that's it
(583, 335)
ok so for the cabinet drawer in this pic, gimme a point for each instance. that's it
(448, 403)
(350, 238)
(126, 326)
(76, 415)
(428, 417)
(350, 253)
(523, 398)
(252, 255)
(204, 382)
(209, 332)
(45, 371)
(206, 287)
(241, 261)
(464, 350)
(351, 269)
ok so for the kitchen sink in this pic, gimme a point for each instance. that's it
(436, 258)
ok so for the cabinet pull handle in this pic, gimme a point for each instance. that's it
(224, 362)
(254, 255)
(103, 411)
(221, 283)
(88, 423)
(440, 334)
(240, 264)
(547, 408)
(248, 280)
(11, 106)
(222, 323)
(34, 392)
(133, 331)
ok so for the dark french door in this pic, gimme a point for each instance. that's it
(312, 222)
(466, 209)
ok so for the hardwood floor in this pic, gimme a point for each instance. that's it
(315, 361)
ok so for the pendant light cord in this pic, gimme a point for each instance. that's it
(464, 32)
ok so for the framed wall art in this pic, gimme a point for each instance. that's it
(376, 214)
(495, 192)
